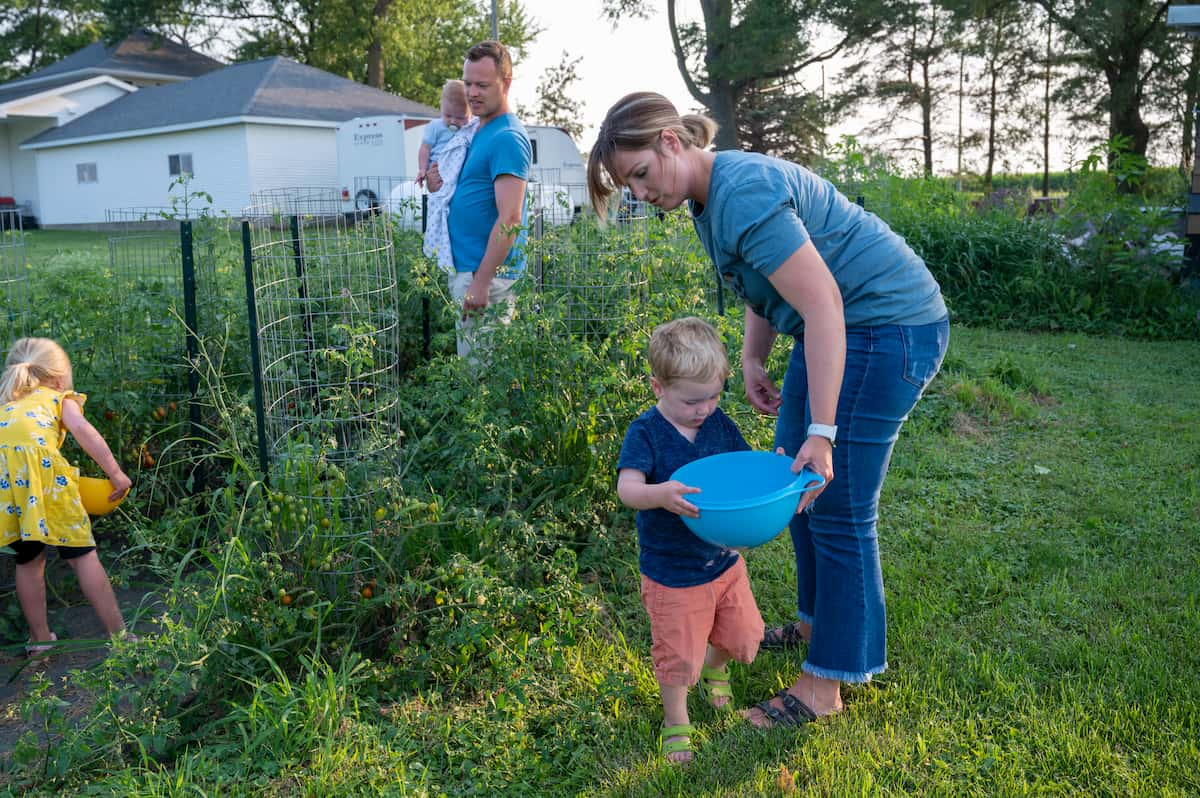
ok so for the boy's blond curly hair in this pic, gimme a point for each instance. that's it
(687, 349)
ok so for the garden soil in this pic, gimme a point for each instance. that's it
(75, 622)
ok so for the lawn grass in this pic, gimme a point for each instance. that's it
(48, 248)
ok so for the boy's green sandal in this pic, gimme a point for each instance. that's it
(714, 683)
(681, 745)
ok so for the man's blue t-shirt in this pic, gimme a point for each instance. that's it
(668, 552)
(500, 147)
(762, 209)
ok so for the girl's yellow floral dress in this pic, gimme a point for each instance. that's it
(39, 489)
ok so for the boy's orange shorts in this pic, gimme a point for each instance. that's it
(683, 620)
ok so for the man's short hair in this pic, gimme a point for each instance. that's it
(687, 349)
(497, 52)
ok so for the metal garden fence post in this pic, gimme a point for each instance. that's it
(260, 419)
(191, 321)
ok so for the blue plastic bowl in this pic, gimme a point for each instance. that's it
(746, 498)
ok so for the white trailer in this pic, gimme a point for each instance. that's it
(557, 177)
(374, 154)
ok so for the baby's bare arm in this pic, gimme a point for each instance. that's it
(422, 162)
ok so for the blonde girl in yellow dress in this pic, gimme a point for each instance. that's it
(39, 489)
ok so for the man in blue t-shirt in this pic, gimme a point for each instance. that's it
(487, 213)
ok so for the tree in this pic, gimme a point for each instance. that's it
(1123, 40)
(375, 38)
(1191, 98)
(186, 22)
(1171, 100)
(410, 47)
(998, 35)
(36, 33)
(555, 106)
(744, 48)
(781, 119)
(911, 71)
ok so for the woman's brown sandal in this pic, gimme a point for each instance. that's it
(782, 637)
(794, 712)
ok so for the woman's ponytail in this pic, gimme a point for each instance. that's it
(700, 128)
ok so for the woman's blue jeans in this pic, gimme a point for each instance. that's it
(839, 581)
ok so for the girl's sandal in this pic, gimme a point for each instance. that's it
(39, 652)
(782, 637)
(682, 744)
(714, 683)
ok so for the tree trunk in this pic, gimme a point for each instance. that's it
(723, 108)
(722, 96)
(375, 47)
(1046, 117)
(37, 38)
(993, 112)
(1124, 114)
(958, 169)
(993, 103)
(927, 118)
(1191, 96)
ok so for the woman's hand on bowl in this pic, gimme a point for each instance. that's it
(671, 499)
(817, 455)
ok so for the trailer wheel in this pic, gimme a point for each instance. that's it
(365, 201)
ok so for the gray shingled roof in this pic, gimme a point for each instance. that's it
(8, 94)
(275, 87)
(141, 51)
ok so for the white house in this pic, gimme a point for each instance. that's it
(76, 85)
(237, 130)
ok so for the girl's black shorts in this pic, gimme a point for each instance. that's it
(29, 550)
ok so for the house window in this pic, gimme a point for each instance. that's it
(85, 173)
(180, 164)
(533, 146)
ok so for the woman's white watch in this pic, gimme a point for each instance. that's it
(824, 430)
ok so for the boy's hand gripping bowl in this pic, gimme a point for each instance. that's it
(94, 493)
(746, 498)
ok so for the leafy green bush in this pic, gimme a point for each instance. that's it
(1106, 264)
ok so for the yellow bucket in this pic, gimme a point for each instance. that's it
(94, 494)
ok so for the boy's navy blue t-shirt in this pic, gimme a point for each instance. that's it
(668, 552)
